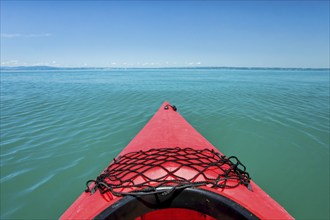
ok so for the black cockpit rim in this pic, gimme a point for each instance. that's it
(201, 200)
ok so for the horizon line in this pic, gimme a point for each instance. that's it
(173, 67)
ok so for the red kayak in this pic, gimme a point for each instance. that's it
(170, 171)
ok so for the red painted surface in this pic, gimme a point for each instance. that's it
(167, 128)
(175, 213)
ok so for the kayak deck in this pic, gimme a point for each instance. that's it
(167, 169)
(159, 194)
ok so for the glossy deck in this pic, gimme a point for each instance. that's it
(167, 128)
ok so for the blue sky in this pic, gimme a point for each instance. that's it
(165, 34)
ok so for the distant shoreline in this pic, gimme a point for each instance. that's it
(146, 68)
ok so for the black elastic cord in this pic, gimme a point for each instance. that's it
(212, 168)
(166, 107)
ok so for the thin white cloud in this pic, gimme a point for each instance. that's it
(10, 63)
(39, 35)
(10, 35)
(40, 64)
(14, 63)
(6, 35)
(193, 63)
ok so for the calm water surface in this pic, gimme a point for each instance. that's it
(60, 128)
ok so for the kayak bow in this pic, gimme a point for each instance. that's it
(170, 171)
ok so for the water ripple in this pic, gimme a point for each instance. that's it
(61, 128)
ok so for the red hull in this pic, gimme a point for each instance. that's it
(168, 129)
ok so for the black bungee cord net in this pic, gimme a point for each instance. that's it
(129, 174)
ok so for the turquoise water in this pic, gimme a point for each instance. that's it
(60, 128)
